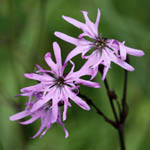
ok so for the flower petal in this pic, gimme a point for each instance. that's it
(69, 75)
(98, 18)
(67, 38)
(88, 83)
(44, 132)
(66, 104)
(19, 115)
(77, 99)
(57, 52)
(32, 88)
(134, 52)
(62, 124)
(120, 62)
(74, 52)
(106, 68)
(40, 69)
(51, 63)
(44, 100)
(92, 63)
(123, 52)
(54, 113)
(30, 120)
(55, 100)
(38, 77)
(39, 131)
(74, 22)
(65, 109)
(89, 27)
(45, 123)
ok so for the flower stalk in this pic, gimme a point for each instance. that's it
(91, 103)
(123, 110)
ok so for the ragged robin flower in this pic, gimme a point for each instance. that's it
(55, 89)
(105, 50)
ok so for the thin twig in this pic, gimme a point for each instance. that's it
(120, 122)
(119, 108)
(124, 103)
(111, 100)
(111, 95)
(90, 102)
(119, 125)
(124, 112)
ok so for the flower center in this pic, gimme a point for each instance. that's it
(100, 43)
(60, 81)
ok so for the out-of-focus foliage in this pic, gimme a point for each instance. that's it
(26, 34)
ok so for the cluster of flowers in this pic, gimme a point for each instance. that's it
(55, 89)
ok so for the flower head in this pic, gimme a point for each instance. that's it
(55, 89)
(44, 114)
(105, 50)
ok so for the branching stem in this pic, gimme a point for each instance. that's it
(123, 108)
(90, 102)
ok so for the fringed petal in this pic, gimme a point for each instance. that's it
(57, 52)
(20, 115)
(77, 99)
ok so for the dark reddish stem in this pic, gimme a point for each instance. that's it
(111, 98)
(119, 124)
(123, 109)
(90, 102)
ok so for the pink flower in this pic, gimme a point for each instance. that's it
(105, 50)
(45, 114)
(55, 89)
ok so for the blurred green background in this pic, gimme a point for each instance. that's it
(26, 34)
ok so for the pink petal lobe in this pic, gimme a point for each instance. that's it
(77, 99)
(39, 131)
(50, 62)
(54, 113)
(74, 52)
(67, 38)
(66, 104)
(88, 83)
(57, 52)
(44, 100)
(123, 52)
(106, 68)
(30, 120)
(62, 124)
(38, 77)
(69, 75)
(65, 110)
(89, 27)
(98, 18)
(31, 88)
(55, 100)
(121, 63)
(74, 22)
(19, 115)
(134, 52)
